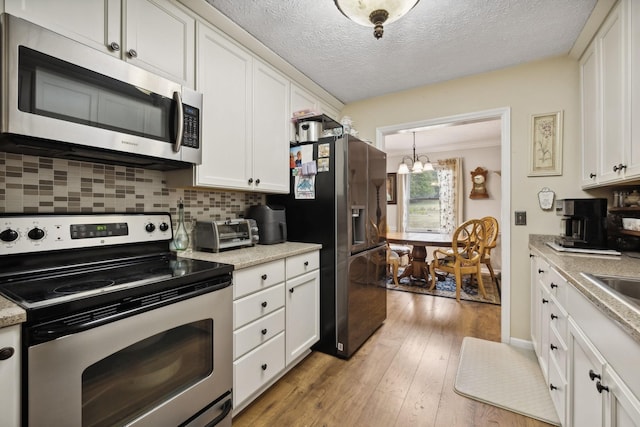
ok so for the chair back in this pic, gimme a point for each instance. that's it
(491, 232)
(469, 241)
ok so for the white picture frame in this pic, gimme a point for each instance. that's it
(545, 151)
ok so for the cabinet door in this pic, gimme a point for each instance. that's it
(329, 110)
(536, 306)
(623, 408)
(95, 23)
(224, 77)
(270, 129)
(590, 116)
(302, 313)
(610, 42)
(586, 366)
(160, 37)
(301, 99)
(10, 377)
(633, 163)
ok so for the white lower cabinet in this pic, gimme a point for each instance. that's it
(276, 320)
(10, 376)
(589, 363)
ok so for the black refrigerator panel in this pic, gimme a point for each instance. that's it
(357, 175)
(377, 195)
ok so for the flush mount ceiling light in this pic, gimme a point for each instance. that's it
(374, 13)
(415, 162)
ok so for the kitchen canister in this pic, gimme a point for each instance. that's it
(309, 131)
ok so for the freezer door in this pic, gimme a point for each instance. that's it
(377, 195)
(362, 301)
(357, 180)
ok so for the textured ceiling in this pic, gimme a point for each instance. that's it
(438, 40)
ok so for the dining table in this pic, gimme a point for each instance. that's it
(418, 267)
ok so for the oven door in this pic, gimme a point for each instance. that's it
(160, 367)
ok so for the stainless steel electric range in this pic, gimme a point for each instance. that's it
(119, 330)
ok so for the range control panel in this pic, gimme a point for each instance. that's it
(38, 233)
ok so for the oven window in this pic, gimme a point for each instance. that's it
(54, 88)
(138, 378)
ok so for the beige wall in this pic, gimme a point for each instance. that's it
(534, 88)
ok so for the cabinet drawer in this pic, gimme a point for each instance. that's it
(303, 263)
(558, 351)
(558, 287)
(256, 305)
(558, 389)
(257, 368)
(253, 279)
(558, 319)
(262, 330)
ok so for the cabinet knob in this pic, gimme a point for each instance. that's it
(544, 301)
(264, 277)
(540, 271)
(264, 331)
(553, 347)
(264, 304)
(113, 46)
(291, 290)
(593, 375)
(553, 316)
(553, 285)
(306, 263)
(619, 167)
(592, 175)
(250, 180)
(531, 255)
(258, 181)
(132, 53)
(6, 353)
(601, 387)
(264, 366)
(552, 387)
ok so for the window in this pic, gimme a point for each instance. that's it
(424, 202)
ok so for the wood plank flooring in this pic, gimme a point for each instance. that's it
(402, 376)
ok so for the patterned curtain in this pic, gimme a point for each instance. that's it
(403, 201)
(450, 178)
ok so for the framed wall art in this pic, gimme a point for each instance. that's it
(392, 189)
(545, 151)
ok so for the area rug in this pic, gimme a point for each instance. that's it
(504, 376)
(447, 288)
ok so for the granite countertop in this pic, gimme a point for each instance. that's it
(10, 313)
(571, 265)
(247, 257)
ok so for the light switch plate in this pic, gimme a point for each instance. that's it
(521, 217)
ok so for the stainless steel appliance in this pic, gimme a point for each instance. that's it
(216, 236)
(64, 99)
(344, 216)
(119, 331)
(583, 223)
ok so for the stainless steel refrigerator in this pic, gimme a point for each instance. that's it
(344, 212)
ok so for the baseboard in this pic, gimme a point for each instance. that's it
(517, 342)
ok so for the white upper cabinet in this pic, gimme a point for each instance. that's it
(246, 120)
(156, 35)
(610, 85)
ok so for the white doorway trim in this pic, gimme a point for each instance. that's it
(504, 114)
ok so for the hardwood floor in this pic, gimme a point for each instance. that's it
(402, 376)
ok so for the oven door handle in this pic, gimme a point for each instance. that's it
(226, 408)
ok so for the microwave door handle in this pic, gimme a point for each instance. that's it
(180, 130)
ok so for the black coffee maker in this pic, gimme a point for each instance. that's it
(583, 223)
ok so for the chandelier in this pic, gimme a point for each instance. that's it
(415, 165)
(374, 13)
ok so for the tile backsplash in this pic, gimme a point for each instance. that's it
(30, 184)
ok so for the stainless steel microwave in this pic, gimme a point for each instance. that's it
(61, 98)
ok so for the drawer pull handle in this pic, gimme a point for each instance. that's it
(601, 387)
(593, 375)
(306, 263)
(540, 271)
(619, 167)
(264, 277)
(531, 255)
(264, 331)
(592, 175)
(264, 304)
(553, 347)
(6, 353)
(553, 285)
(553, 316)
(545, 301)
(291, 290)
(552, 387)
(264, 367)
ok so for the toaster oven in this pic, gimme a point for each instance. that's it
(216, 236)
